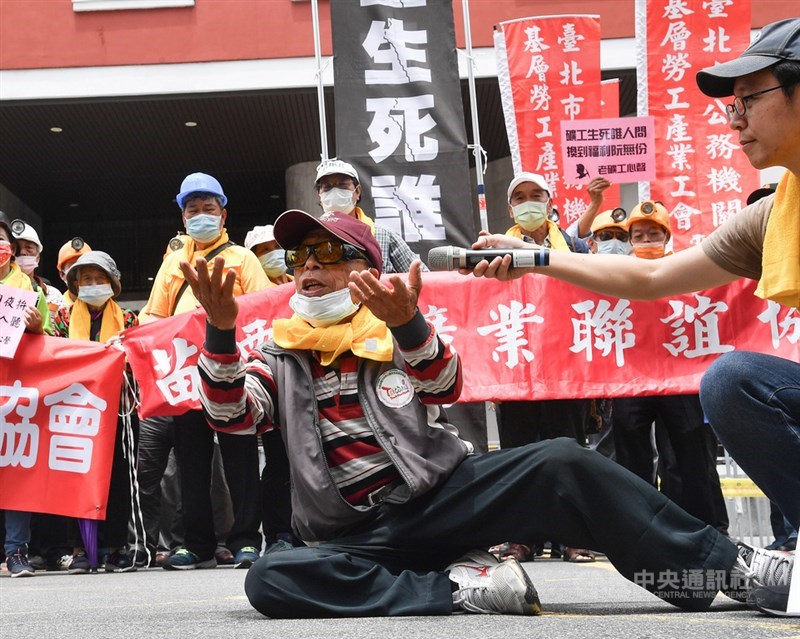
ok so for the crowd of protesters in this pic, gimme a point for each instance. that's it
(378, 485)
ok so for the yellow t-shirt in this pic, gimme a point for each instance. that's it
(250, 277)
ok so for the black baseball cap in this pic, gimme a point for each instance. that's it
(775, 42)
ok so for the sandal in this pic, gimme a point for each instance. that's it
(578, 555)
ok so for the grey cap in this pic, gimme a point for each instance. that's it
(775, 42)
(101, 260)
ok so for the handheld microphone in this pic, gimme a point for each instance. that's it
(452, 258)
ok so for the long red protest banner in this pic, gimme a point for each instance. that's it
(702, 176)
(548, 71)
(58, 420)
(533, 338)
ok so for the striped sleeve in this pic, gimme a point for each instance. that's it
(237, 397)
(433, 366)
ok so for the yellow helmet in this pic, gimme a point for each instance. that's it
(654, 211)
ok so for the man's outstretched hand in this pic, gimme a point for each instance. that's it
(396, 304)
(214, 291)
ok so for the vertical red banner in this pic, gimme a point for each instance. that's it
(549, 71)
(609, 108)
(702, 176)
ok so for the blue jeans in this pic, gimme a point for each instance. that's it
(18, 531)
(752, 402)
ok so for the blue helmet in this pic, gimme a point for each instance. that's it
(203, 183)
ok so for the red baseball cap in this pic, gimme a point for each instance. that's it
(292, 226)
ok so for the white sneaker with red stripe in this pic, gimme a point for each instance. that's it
(487, 586)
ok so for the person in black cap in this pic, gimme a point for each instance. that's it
(751, 400)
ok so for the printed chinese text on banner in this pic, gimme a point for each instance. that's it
(400, 119)
(533, 337)
(609, 108)
(13, 303)
(702, 177)
(617, 149)
(58, 420)
(548, 70)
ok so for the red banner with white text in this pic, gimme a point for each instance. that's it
(702, 176)
(609, 108)
(533, 338)
(58, 420)
(548, 71)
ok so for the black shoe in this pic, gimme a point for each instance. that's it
(119, 561)
(139, 558)
(771, 600)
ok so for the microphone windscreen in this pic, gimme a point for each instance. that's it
(438, 259)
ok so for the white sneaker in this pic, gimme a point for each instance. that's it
(757, 567)
(489, 587)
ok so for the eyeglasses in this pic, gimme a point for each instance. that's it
(327, 252)
(739, 105)
(606, 235)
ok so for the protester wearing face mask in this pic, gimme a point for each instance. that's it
(28, 256)
(686, 447)
(339, 190)
(272, 257)
(37, 319)
(94, 282)
(67, 254)
(521, 423)
(649, 229)
(202, 203)
(529, 204)
(609, 234)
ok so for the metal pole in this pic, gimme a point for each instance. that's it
(477, 150)
(323, 129)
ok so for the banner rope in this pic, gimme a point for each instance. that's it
(129, 402)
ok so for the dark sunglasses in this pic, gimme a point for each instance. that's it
(327, 252)
(604, 236)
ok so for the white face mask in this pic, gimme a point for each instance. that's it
(27, 263)
(95, 295)
(530, 215)
(614, 247)
(341, 200)
(273, 263)
(325, 310)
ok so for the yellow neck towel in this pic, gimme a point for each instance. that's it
(780, 261)
(16, 278)
(557, 241)
(80, 321)
(365, 335)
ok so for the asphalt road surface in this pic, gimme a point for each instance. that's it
(579, 601)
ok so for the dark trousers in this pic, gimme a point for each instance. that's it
(276, 507)
(690, 467)
(194, 450)
(520, 423)
(113, 533)
(553, 489)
